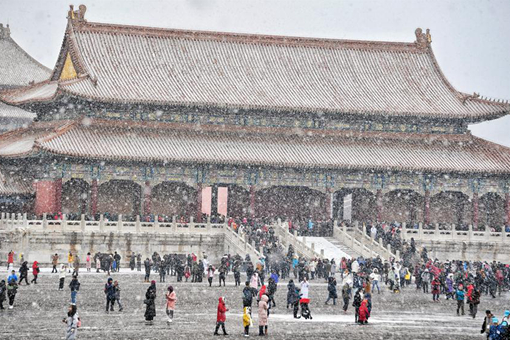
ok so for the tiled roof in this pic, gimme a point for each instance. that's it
(129, 64)
(168, 143)
(14, 185)
(17, 68)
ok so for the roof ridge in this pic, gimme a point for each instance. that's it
(82, 26)
(57, 132)
(47, 69)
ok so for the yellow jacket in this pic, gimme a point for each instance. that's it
(247, 318)
(70, 258)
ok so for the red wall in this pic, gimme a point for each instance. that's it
(47, 196)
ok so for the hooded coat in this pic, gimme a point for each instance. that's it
(247, 321)
(150, 297)
(363, 311)
(221, 315)
(263, 306)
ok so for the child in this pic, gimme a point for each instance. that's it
(170, 304)
(221, 316)
(117, 295)
(247, 321)
(75, 287)
(210, 275)
(263, 315)
(62, 277)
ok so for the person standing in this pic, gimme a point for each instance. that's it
(263, 314)
(459, 295)
(70, 261)
(356, 303)
(88, 262)
(375, 277)
(247, 321)
(54, 263)
(23, 273)
(305, 300)
(117, 295)
(474, 302)
(62, 276)
(117, 259)
(346, 296)
(3, 293)
(221, 316)
(35, 272)
(332, 293)
(12, 289)
(10, 260)
(436, 289)
(76, 264)
(150, 298)
(132, 261)
(74, 285)
(147, 264)
(71, 322)
(139, 262)
(171, 298)
(109, 291)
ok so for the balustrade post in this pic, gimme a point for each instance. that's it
(453, 231)
(322, 253)
(174, 224)
(470, 232)
(436, 230)
(138, 225)
(420, 231)
(208, 226)
(82, 223)
(503, 234)
(119, 222)
(25, 220)
(397, 255)
(191, 223)
(156, 222)
(101, 223)
(313, 247)
(44, 222)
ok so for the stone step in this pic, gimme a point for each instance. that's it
(343, 247)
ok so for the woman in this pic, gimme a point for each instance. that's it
(72, 323)
(170, 304)
(263, 306)
(150, 297)
(35, 272)
(332, 294)
(88, 261)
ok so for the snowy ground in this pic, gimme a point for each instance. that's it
(40, 308)
(330, 250)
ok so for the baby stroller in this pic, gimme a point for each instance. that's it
(305, 310)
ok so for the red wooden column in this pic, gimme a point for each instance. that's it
(507, 197)
(48, 196)
(147, 198)
(475, 209)
(252, 201)
(199, 203)
(426, 210)
(379, 202)
(93, 197)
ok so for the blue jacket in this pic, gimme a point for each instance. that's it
(12, 277)
(495, 332)
(459, 295)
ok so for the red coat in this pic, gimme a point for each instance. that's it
(436, 286)
(10, 258)
(363, 311)
(222, 309)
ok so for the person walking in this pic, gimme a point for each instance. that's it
(210, 275)
(109, 291)
(436, 289)
(148, 265)
(54, 263)
(71, 322)
(62, 276)
(356, 303)
(150, 309)
(459, 295)
(70, 261)
(35, 272)
(263, 314)
(221, 316)
(304, 299)
(12, 290)
(23, 273)
(346, 296)
(375, 277)
(74, 285)
(171, 298)
(10, 260)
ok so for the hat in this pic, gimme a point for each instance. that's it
(494, 320)
(507, 312)
(153, 282)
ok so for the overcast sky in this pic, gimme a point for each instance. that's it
(471, 38)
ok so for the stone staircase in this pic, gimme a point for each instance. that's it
(342, 247)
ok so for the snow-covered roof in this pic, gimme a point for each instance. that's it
(12, 184)
(17, 67)
(131, 64)
(168, 142)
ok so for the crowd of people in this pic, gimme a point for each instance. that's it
(461, 281)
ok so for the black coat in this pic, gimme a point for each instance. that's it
(3, 290)
(150, 297)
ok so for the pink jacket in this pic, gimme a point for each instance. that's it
(170, 300)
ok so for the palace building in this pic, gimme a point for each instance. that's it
(140, 120)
